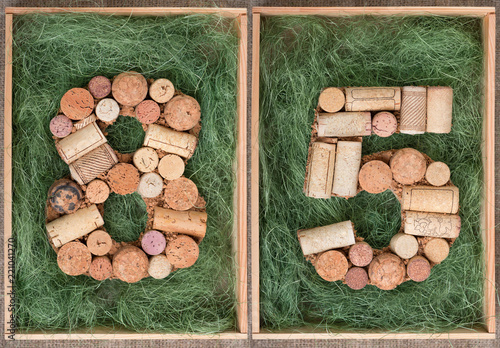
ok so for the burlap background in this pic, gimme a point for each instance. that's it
(248, 4)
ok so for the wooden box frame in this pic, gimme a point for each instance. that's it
(488, 207)
(240, 193)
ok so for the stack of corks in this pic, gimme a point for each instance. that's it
(74, 208)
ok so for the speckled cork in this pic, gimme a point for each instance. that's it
(321, 166)
(159, 267)
(74, 258)
(130, 264)
(408, 166)
(318, 239)
(384, 124)
(77, 103)
(150, 185)
(129, 88)
(418, 269)
(432, 224)
(171, 167)
(192, 223)
(153, 242)
(437, 174)
(361, 254)
(356, 278)
(437, 250)
(107, 110)
(101, 268)
(331, 265)
(146, 159)
(404, 245)
(344, 124)
(161, 90)
(61, 126)
(182, 252)
(331, 99)
(386, 271)
(375, 177)
(148, 111)
(439, 109)
(100, 87)
(181, 194)
(347, 163)
(372, 98)
(170, 141)
(97, 191)
(65, 196)
(444, 199)
(123, 178)
(99, 242)
(182, 112)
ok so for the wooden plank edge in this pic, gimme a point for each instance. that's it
(254, 175)
(102, 335)
(362, 336)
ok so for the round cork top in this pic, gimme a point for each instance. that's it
(61, 126)
(331, 99)
(404, 245)
(181, 194)
(107, 110)
(182, 112)
(150, 185)
(130, 264)
(123, 178)
(437, 174)
(99, 242)
(331, 265)
(161, 90)
(129, 88)
(148, 111)
(159, 267)
(65, 196)
(171, 167)
(356, 278)
(418, 269)
(384, 124)
(153, 242)
(77, 103)
(182, 252)
(361, 254)
(437, 250)
(74, 258)
(386, 271)
(101, 268)
(97, 191)
(408, 166)
(100, 87)
(375, 177)
(146, 159)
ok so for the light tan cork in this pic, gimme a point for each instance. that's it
(192, 223)
(77, 103)
(182, 252)
(101, 268)
(432, 224)
(129, 88)
(182, 112)
(171, 141)
(437, 174)
(93, 164)
(437, 250)
(318, 239)
(145, 159)
(372, 98)
(347, 162)
(413, 110)
(408, 166)
(80, 143)
(159, 266)
(150, 185)
(161, 90)
(99, 242)
(439, 109)
(386, 271)
(344, 124)
(130, 264)
(97, 191)
(418, 269)
(181, 194)
(331, 265)
(404, 245)
(74, 258)
(331, 99)
(107, 110)
(171, 167)
(123, 178)
(431, 199)
(375, 177)
(320, 172)
(361, 254)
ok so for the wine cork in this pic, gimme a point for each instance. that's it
(361, 254)
(74, 258)
(375, 177)
(73, 226)
(384, 124)
(331, 265)
(93, 164)
(99, 242)
(181, 194)
(148, 111)
(162, 138)
(85, 122)
(439, 109)
(432, 224)
(61, 126)
(437, 250)
(344, 124)
(100, 87)
(356, 278)
(386, 271)
(107, 110)
(320, 170)
(192, 223)
(347, 162)
(437, 174)
(404, 245)
(123, 178)
(129, 88)
(161, 90)
(318, 239)
(182, 252)
(130, 264)
(408, 166)
(331, 99)
(418, 269)
(80, 143)
(413, 110)
(171, 167)
(101, 268)
(97, 191)
(146, 159)
(372, 98)
(150, 185)
(431, 199)
(65, 196)
(153, 242)
(159, 267)
(77, 103)
(182, 112)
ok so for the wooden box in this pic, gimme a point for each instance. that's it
(488, 209)
(240, 193)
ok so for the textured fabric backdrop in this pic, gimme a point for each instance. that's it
(248, 4)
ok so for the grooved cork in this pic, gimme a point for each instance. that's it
(347, 162)
(431, 199)
(130, 264)
(331, 99)
(331, 265)
(97, 191)
(146, 159)
(432, 224)
(439, 109)
(80, 143)
(150, 185)
(356, 278)
(123, 178)
(65, 196)
(181, 194)
(101, 268)
(74, 258)
(100, 87)
(413, 110)
(85, 122)
(437, 174)
(161, 90)
(93, 164)
(320, 170)
(384, 124)
(99, 242)
(386, 271)
(182, 112)
(182, 252)
(318, 239)
(171, 141)
(361, 254)
(344, 124)
(192, 223)
(375, 177)
(61, 126)
(437, 250)
(372, 98)
(171, 167)
(129, 88)
(159, 267)
(77, 103)
(153, 242)
(418, 269)
(408, 166)
(148, 111)
(107, 110)
(404, 245)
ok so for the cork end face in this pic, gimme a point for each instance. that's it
(418, 269)
(159, 267)
(101, 268)
(437, 250)
(375, 177)
(182, 112)
(130, 264)
(437, 174)
(387, 271)
(331, 265)
(361, 254)
(74, 258)
(123, 178)
(182, 252)
(356, 278)
(129, 88)
(161, 90)
(77, 103)
(331, 99)
(408, 166)
(100, 87)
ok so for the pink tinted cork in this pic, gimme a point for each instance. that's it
(182, 252)
(130, 264)
(65, 196)
(129, 88)
(356, 278)
(182, 112)
(331, 265)
(375, 177)
(408, 166)
(101, 268)
(148, 111)
(61, 126)
(99, 243)
(384, 124)
(181, 194)
(361, 254)
(153, 242)
(123, 178)
(77, 103)
(387, 271)
(100, 87)
(97, 191)
(418, 269)
(74, 258)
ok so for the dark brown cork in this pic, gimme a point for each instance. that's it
(182, 252)
(74, 258)
(97, 191)
(129, 88)
(77, 103)
(361, 254)
(148, 111)
(331, 265)
(100, 87)
(181, 194)
(101, 268)
(408, 166)
(375, 177)
(386, 271)
(130, 264)
(182, 112)
(99, 242)
(418, 269)
(123, 178)
(356, 278)
(65, 196)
